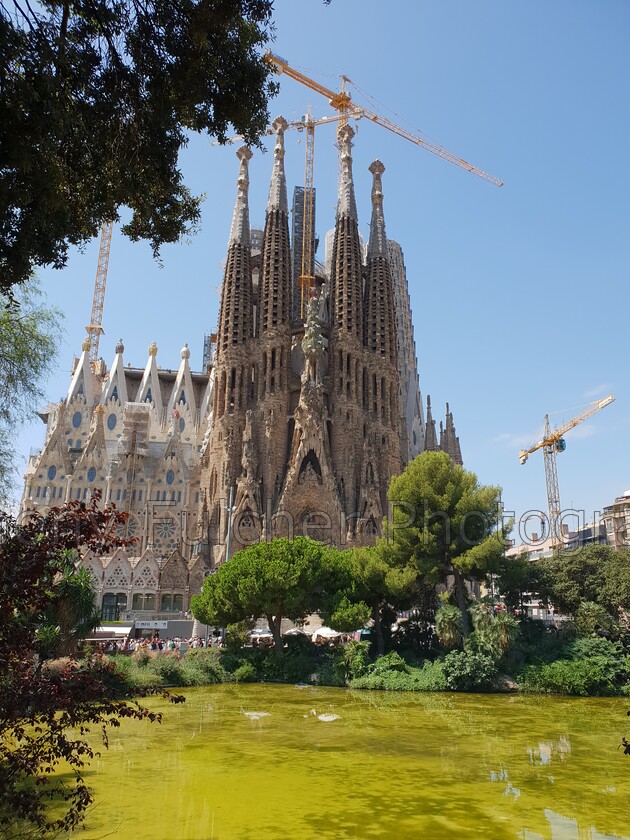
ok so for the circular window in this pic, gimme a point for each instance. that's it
(127, 529)
(76, 419)
(170, 477)
(91, 475)
(52, 472)
(111, 422)
(165, 528)
(182, 424)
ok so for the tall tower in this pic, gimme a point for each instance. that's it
(273, 341)
(346, 364)
(233, 360)
(382, 457)
(412, 429)
(297, 238)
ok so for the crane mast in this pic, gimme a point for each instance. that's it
(552, 443)
(94, 328)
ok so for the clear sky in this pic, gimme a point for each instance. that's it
(519, 295)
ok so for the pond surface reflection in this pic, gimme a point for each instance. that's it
(260, 762)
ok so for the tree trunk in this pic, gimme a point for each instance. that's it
(275, 623)
(460, 597)
(378, 630)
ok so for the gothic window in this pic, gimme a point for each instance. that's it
(182, 398)
(111, 422)
(182, 424)
(76, 419)
(115, 393)
(38, 493)
(170, 477)
(165, 528)
(149, 396)
(370, 527)
(113, 604)
(52, 472)
(143, 601)
(91, 474)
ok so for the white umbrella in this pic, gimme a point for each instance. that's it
(325, 633)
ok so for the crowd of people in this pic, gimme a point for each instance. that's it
(157, 645)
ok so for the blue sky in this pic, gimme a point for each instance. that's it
(519, 295)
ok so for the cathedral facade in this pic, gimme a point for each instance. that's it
(295, 427)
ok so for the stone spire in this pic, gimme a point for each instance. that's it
(83, 382)
(274, 297)
(239, 232)
(378, 240)
(278, 188)
(449, 442)
(430, 441)
(379, 330)
(235, 318)
(346, 293)
(116, 385)
(346, 202)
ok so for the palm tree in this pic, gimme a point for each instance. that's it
(448, 625)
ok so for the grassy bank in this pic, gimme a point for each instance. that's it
(572, 666)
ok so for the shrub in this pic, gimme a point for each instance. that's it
(469, 671)
(143, 656)
(209, 663)
(330, 670)
(356, 658)
(389, 662)
(245, 673)
(590, 666)
(592, 676)
(428, 678)
(168, 667)
(191, 674)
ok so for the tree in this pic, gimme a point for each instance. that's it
(277, 579)
(445, 523)
(29, 332)
(47, 709)
(72, 612)
(571, 577)
(376, 589)
(517, 577)
(96, 101)
(448, 625)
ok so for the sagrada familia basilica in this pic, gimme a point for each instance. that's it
(296, 426)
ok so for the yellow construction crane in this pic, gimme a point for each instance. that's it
(343, 103)
(347, 109)
(552, 443)
(94, 328)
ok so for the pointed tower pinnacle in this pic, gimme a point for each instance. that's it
(236, 315)
(278, 189)
(346, 281)
(274, 298)
(239, 232)
(378, 240)
(346, 205)
(379, 329)
(430, 442)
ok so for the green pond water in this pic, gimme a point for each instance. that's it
(259, 762)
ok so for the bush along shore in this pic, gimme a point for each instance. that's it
(534, 660)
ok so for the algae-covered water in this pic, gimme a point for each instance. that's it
(260, 762)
